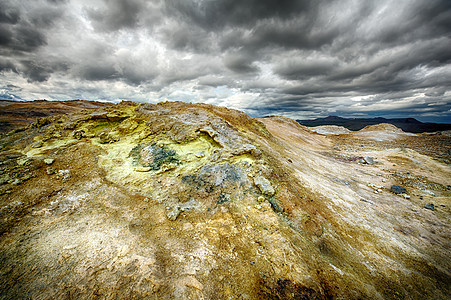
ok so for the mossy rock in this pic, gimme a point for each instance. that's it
(153, 156)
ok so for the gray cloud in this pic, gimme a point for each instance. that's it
(116, 14)
(300, 58)
(240, 63)
(8, 14)
(20, 38)
(217, 14)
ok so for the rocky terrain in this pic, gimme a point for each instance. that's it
(193, 201)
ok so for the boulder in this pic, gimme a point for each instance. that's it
(264, 185)
(429, 206)
(396, 189)
(49, 161)
(369, 160)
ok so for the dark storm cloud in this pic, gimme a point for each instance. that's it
(240, 63)
(304, 57)
(99, 72)
(35, 72)
(24, 30)
(389, 72)
(8, 14)
(287, 24)
(215, 15)
(22, 37)
(6, 65)
(116, 14)
(295, 69)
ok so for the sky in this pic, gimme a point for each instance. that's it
(300, 59)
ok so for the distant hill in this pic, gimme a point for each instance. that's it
(16, 114)
(406, 124)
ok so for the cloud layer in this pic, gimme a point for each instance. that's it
(302, 59)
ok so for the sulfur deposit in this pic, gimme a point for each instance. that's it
(193, 201)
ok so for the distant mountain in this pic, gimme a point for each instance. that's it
(406, 124)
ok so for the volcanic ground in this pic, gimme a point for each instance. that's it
(194, 201)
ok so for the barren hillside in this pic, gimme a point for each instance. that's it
(193, 201)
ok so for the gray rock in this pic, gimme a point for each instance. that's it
(429, 206)
(275, 206)
(264, 185)
(369, 160)
(430, 193)
(396, 189)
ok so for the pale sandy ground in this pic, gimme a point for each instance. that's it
(330, 130)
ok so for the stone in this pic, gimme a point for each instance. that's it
(24, 161)
(275, 206)
(64, 175)
(430, 193)
(173, 214)
(78, 134)
(154, 156)
(16, 181)
(167, 167)
(261, 199)
(264, 185)
(200, 154)
(142, 169)
(51, 170)
(396, 189)
(429, 206)
(49, 161)
(368, 160)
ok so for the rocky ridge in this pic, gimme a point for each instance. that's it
(193, 201)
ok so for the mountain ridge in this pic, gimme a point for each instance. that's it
(406, 124)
